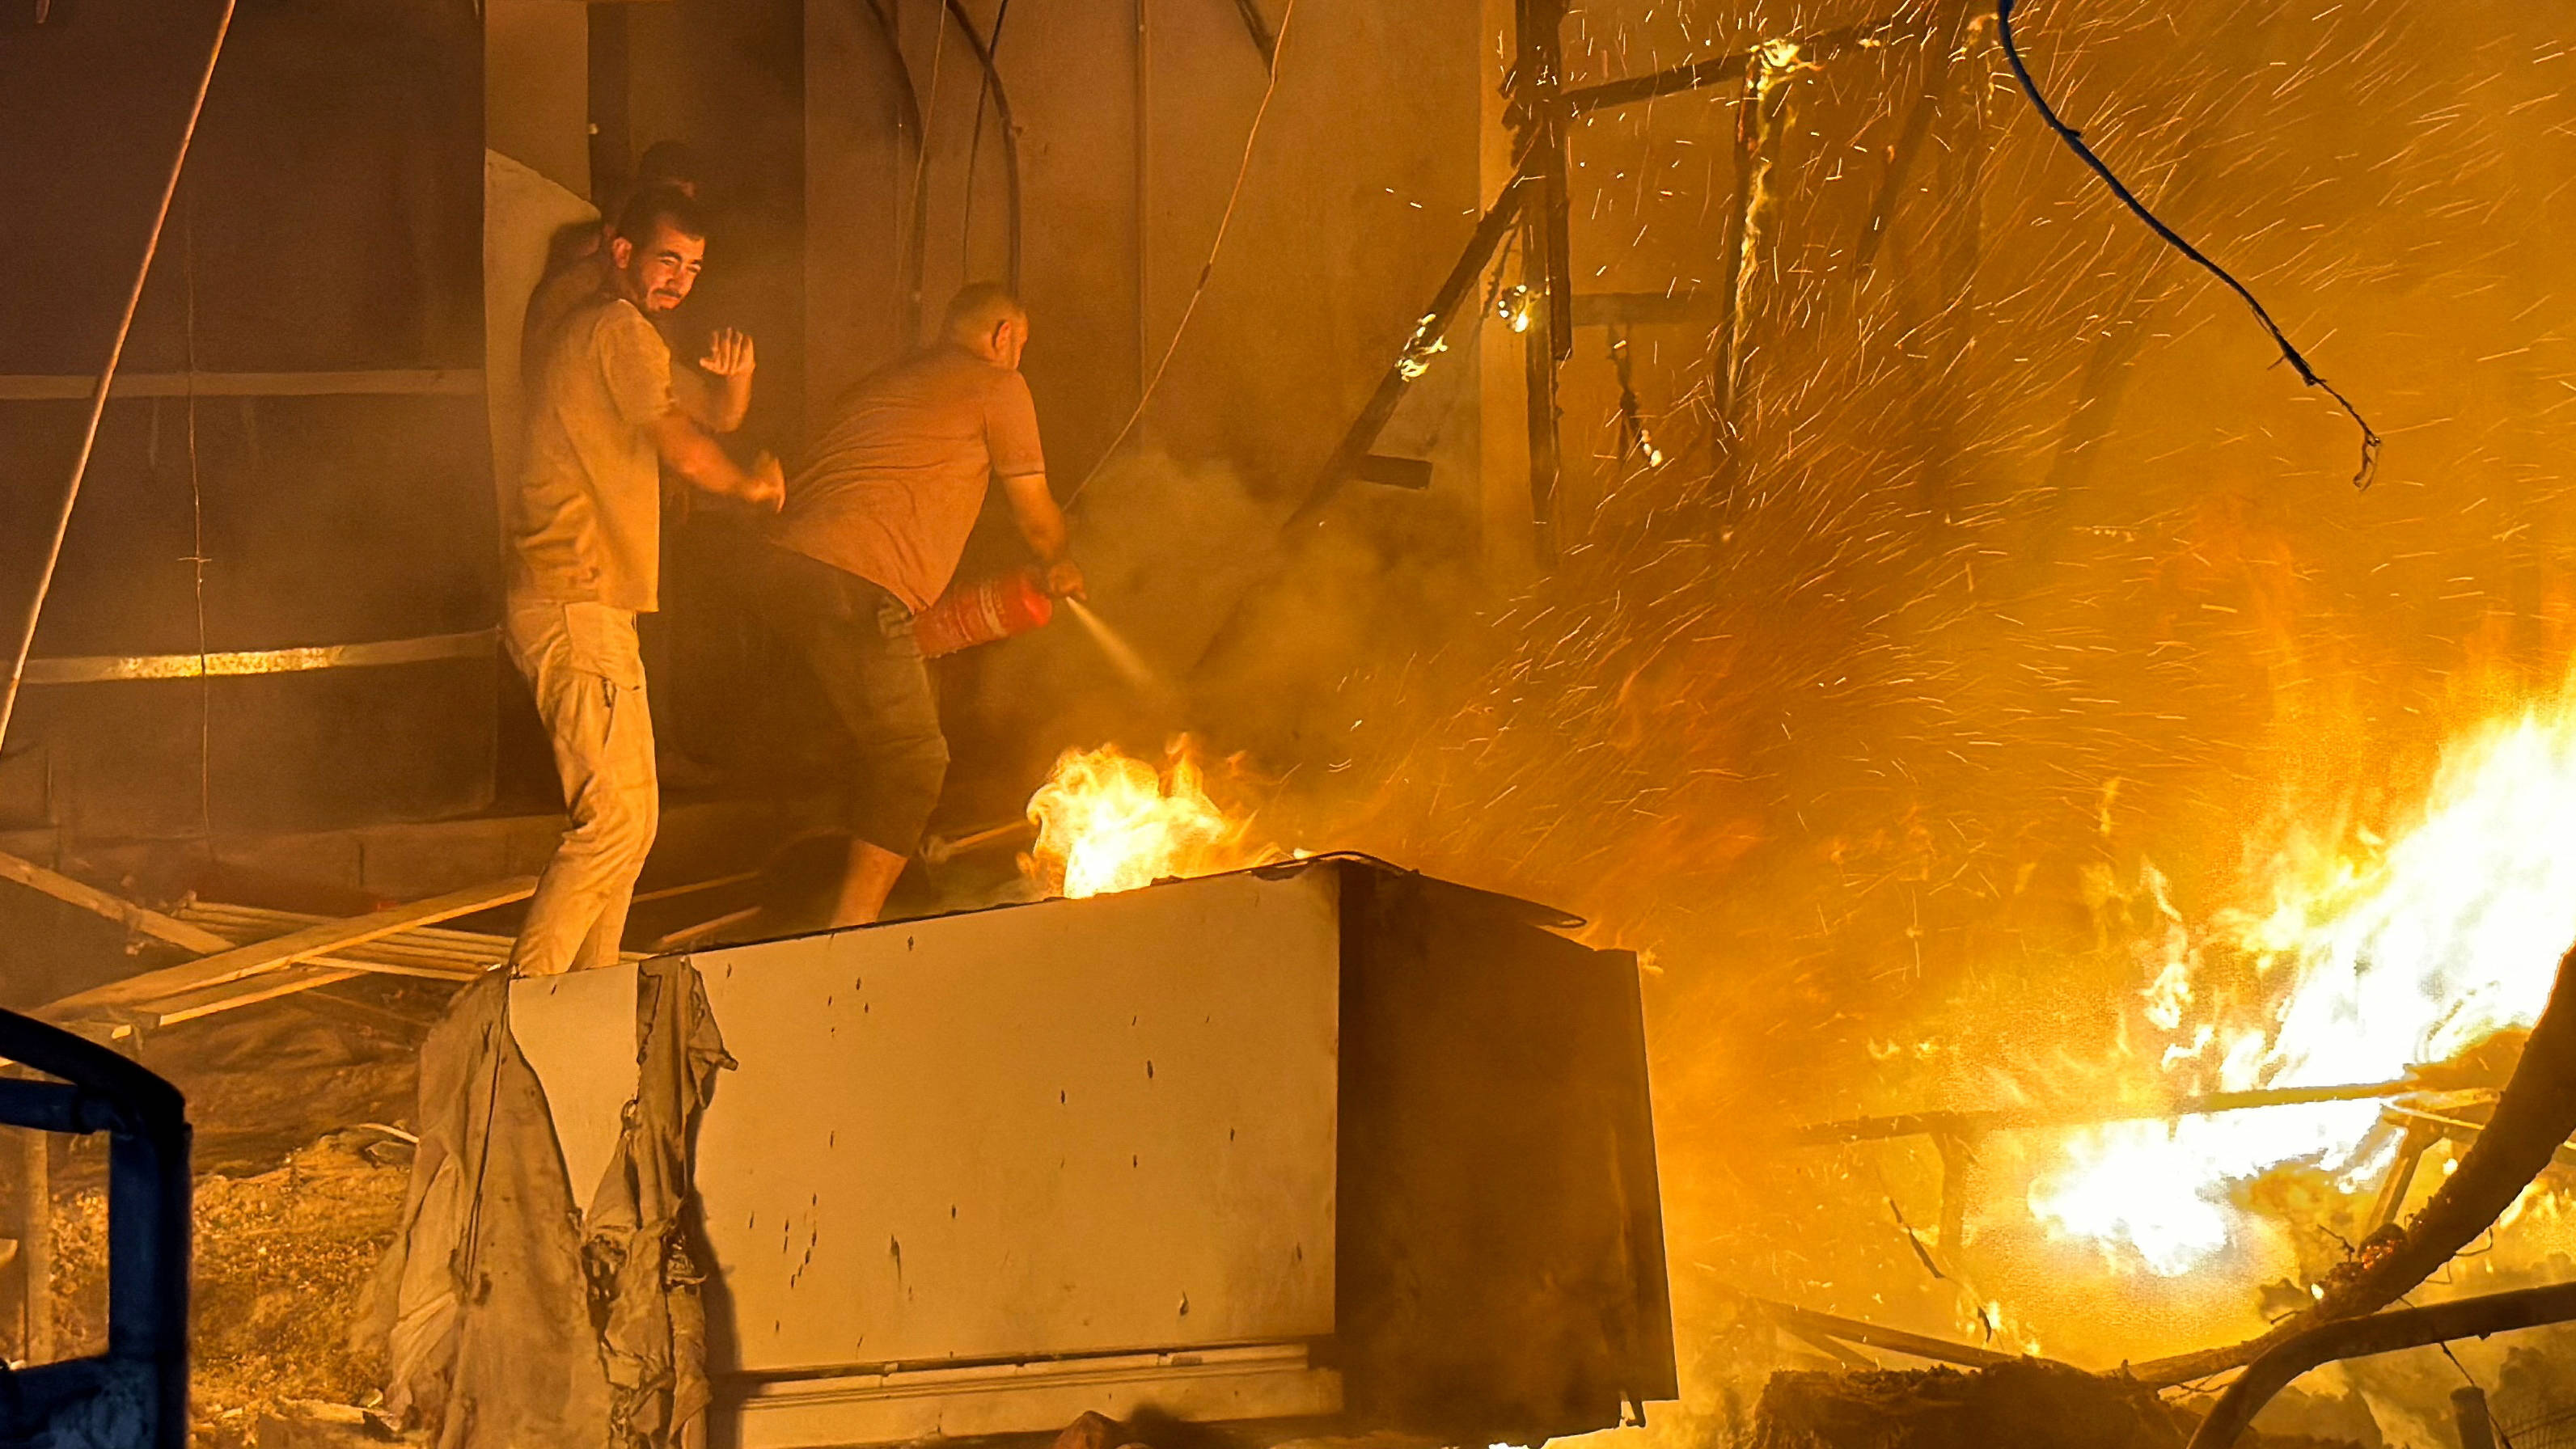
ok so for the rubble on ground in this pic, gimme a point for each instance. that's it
(280, 1260)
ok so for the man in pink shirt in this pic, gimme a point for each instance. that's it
(876, 519)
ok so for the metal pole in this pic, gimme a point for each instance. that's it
(1144, 198)
(36, 1247)
(1539, 98)
(2378, 1333)
(2469, 1413)
(107, 378)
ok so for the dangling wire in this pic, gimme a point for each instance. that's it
(2074, 140)
(107, 380)
(1634, 440)
(1242, 169)
(975, 145)
(197, 532)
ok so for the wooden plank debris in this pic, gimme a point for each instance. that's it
(138, 994)
(250, 990)
(126, 913)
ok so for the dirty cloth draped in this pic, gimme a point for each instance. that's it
(509, 1318)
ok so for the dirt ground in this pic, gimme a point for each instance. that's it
(295, 1201)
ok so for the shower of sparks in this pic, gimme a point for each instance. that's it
(2009, 568)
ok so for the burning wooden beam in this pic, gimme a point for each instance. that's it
(2007, 1119)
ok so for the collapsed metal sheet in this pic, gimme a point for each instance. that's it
(1078, 1127)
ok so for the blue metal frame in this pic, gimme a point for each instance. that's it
(135, 1395)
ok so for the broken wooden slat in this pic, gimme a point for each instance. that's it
(695, 886)
(423, 945)
(1804, 1321)
(703, 929)
(294, 948)
(271, 985)
(433, 970)
(115, 908)
(250, 990)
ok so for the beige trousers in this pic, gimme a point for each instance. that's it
(582, 662)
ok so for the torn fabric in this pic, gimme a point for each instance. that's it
(509, 1319)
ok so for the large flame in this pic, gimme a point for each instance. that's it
(2365, 967)
(1110, 822)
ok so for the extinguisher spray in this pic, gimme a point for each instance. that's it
(983, 611)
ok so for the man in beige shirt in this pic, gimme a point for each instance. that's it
(873, 528)
(585, 539)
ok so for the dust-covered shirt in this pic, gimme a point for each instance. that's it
(891, 488)
(588, 523)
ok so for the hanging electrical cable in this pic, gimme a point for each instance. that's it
(107, 379)
(975, 145)
(986, 49)
(2074, 140)
(197, 537)
(919, 264)
(1242, 169)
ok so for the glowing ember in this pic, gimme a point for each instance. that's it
(2366, 968)
(1110, 822)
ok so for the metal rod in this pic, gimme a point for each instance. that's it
(2469, 1417)
(1872, 1335)
(107, 379)
(1730, 285)
(1429, 336)
(1546, 242)
(36, 1246)
(2401, 1174)
(2376, 1333)
(1701, 74)
(941, 849)
(1538, 390)
(1918, 125)
(1144, 198)
(1920, 1124)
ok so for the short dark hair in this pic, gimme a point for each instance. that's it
(978, 305)
(665, 162)
(660, 205)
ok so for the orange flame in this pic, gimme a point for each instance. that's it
(2370, 964)
(1110, 822)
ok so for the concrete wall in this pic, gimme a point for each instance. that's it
(535, 96)
(1356, 200)
(1131, 119)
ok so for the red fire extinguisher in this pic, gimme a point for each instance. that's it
(983, 611)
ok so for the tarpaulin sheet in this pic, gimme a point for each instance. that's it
(510, 1318)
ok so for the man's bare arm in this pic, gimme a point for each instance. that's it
(1041, 522)
(690, 452)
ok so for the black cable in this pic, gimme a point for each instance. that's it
(985, 50)
(892, 37)
(2074, 140)
(975, 145)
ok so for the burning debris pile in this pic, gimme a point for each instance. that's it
(2031, 1405)
(2377, 963)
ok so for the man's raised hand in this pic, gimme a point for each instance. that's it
(729, 353)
